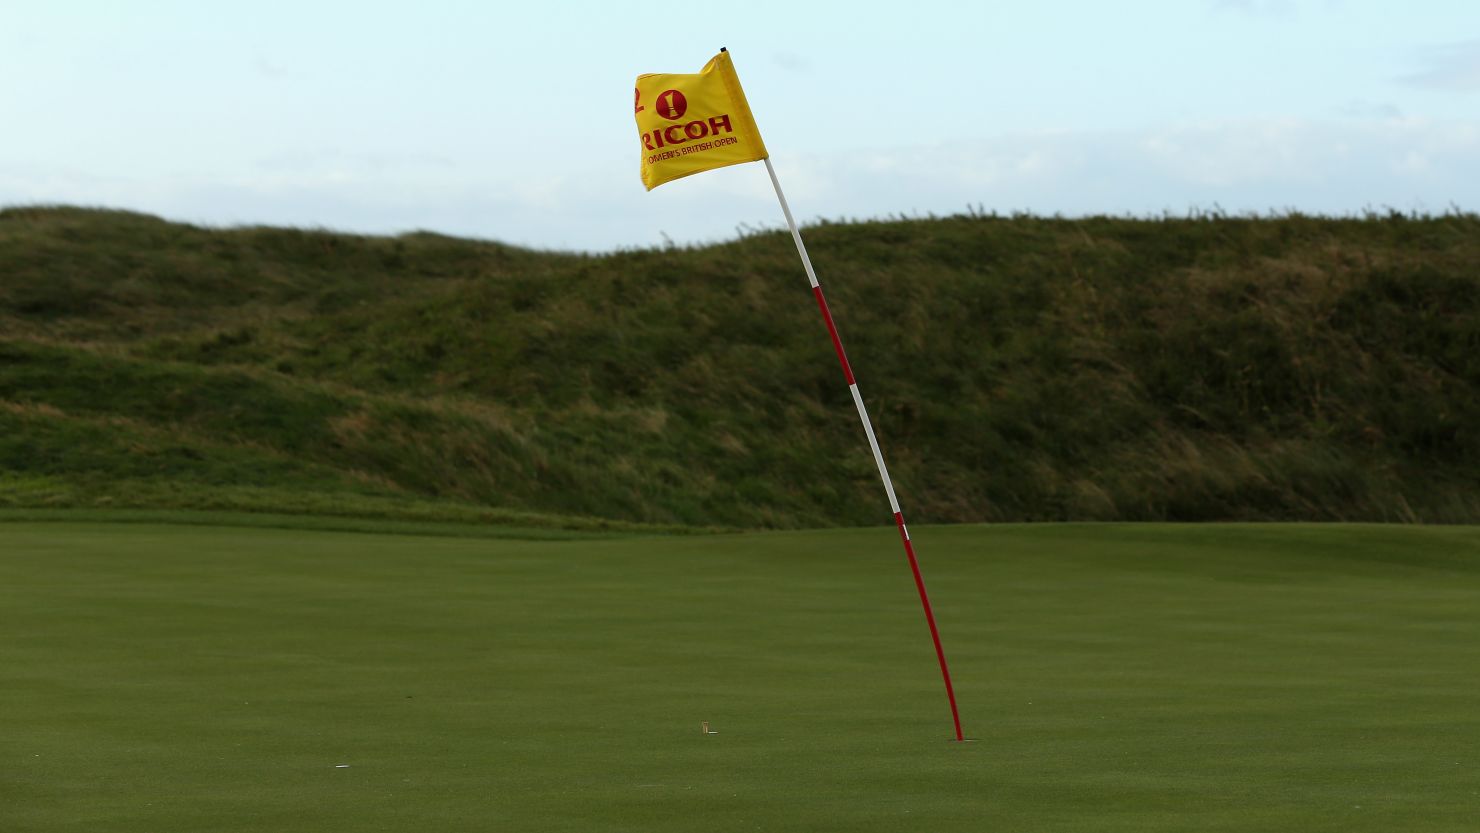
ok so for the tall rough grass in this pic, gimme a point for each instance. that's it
(1019, 368)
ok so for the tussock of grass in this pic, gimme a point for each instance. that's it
(1018, 368)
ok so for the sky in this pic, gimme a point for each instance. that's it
(513, 122)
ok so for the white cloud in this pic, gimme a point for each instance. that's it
(1453, 67)
(1333, 166)
(1247, 165)
(1358, 108)
(1258, 7)
(791, 61)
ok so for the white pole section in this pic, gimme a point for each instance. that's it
(873, 443)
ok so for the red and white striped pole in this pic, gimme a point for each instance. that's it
(868, 428)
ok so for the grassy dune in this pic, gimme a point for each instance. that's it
(1290, 368)
(1115, 678)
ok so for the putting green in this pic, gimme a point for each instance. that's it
(1115, 678)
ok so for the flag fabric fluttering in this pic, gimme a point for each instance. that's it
(695, 122)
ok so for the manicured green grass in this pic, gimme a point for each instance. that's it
(1115, 678)
(497, 526)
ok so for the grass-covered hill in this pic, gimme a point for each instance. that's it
(1017, 369)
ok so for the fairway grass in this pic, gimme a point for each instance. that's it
(159, 677)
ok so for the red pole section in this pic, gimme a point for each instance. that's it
(832, 330)
(940, 653)
(873, 442)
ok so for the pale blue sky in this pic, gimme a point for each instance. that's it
(515, 123)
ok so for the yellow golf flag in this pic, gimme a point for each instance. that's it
(693, 123)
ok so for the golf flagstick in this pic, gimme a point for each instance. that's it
(720, 130)
(868, 428)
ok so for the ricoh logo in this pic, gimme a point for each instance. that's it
(694, 136)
